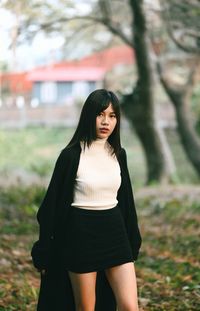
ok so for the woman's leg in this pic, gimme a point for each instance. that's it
(83, 285)
(122, 279)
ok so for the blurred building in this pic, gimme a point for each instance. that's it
(53, 94)
(57, 83)
(60, 86)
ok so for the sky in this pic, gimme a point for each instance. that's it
(41, 51)
(5, 20)
(27, 55)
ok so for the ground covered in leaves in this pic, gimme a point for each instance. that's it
(168, 268)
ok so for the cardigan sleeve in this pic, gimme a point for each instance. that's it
(46, 211)
(131, 219)
(42, 250)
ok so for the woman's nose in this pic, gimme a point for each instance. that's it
(105, 120)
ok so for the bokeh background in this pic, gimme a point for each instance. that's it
(52, 55)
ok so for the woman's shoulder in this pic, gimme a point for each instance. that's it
(69, 152)
(70, 149)
(123, 157)
(122, 153)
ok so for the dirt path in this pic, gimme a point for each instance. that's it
(170, 192)
(21, 177)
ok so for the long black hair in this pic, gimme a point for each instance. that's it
(96, 102)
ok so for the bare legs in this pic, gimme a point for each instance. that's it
(122, 279)
(83, 285)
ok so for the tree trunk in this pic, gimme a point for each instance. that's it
(139, 106)
(148, 137)
(189, 138)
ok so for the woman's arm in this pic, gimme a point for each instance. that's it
(131, 219)
(46, 211)
(41, 250)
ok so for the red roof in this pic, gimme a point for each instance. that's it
(68, 74)
(16, 82)
(108, 58)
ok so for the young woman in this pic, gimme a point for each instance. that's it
(89, 235)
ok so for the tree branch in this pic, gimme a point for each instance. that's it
(182, 46)
(104, 21)
(167, 18)
(104, 6)
(172, 92)
(79, 31)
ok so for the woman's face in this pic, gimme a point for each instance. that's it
(106, 122)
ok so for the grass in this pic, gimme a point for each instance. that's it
(31, 149)
(168, 269)
(19, 281)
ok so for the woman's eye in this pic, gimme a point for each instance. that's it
(110, 116)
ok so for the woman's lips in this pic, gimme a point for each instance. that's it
(104, 130)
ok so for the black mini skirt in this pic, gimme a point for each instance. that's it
(95, 240)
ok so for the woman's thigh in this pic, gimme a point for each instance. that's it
(83, 285)
(122, 279)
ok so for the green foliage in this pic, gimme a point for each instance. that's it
(33, 149)
(41, 169)
(3, 66)
(18, 206)
(18, 196)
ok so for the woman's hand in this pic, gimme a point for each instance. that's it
(42, 271)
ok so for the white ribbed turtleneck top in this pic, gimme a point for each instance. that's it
(98, 177)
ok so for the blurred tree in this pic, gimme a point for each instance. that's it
(21, 10)
(183, 27)
(139, 105)
(125, 20)
(182, 21)
(3, 66)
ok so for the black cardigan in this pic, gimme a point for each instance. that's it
(55, 289)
